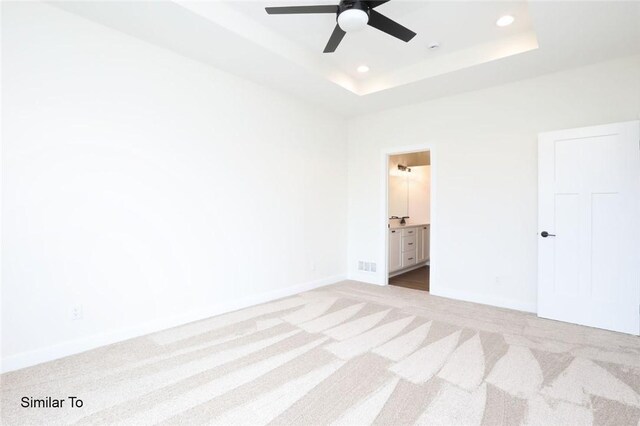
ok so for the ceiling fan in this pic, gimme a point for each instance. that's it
(352, 15)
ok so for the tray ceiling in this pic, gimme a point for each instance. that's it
(285, 52)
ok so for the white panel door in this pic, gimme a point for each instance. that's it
(589, 226)
(423, 243)
(420, 245)
(426, 241)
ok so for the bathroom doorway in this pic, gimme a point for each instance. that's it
(409, 219)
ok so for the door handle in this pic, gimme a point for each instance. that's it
(545, 234)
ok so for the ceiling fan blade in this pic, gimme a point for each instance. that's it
(375, 3)
(335, 39)
(384, 24)
(289, 10)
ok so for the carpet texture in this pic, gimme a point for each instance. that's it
(347, 354)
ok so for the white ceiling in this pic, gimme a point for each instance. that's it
(285, 51)
(455, 25)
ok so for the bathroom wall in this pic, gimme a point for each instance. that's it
(420, 194)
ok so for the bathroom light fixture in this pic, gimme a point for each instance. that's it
(363, 69)
(505, 21)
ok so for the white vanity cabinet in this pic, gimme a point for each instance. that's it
(408, 247)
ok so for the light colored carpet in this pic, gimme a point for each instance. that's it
(350, 353)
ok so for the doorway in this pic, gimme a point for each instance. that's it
(408, 219)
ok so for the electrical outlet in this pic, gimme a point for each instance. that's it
(76, 313)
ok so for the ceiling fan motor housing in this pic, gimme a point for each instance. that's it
(346, 5)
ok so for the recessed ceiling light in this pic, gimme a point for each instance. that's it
(363, 69)
(505, 21)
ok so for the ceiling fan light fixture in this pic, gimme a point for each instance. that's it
(353, 20)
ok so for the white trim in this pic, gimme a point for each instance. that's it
(71, 347)
(486, 300)
(384, 215)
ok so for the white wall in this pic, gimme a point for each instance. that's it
(398, 192)
(419, 195)
(408, 193)
(484, 171)
(150, 189)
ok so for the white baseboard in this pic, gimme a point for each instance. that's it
(485, 299)
(71, 347)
